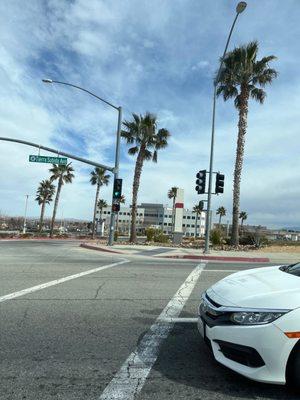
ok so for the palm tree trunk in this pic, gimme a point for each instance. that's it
(242, 128)
(135, 189)
(95, 210)
(55, 206)
(42, 217)
(220, 217)
(173, 215)
(196, 224)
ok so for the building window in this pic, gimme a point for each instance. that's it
(104, 212)
(193, 217)
(165, 224)
(184, 217)
(192, 234)
(183, 225)
(188, 217)
(169, 224)
(188, 226)
(193, 226)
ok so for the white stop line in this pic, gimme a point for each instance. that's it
(58, 281)
(131, 377)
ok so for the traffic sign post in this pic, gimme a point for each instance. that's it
(49, 160)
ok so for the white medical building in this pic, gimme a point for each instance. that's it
(157, 215)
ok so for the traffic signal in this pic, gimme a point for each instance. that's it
(117, 189)
(201, 205)
(116, 207)
(220, 183)
(200, 181)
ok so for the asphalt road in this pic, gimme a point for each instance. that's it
(96, 334)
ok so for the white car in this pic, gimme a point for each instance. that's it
(251, 321)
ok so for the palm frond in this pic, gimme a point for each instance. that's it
(258, 95)
(133, 150)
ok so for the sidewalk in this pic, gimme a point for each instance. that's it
(195, 254)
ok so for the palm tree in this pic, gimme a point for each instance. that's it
(172, 193)
(243, 216)
(44, 195)
(242, 77)
(98, 178)
(63, 174)
(141, 132)
(100, 205)
(221, 211)
(197, 209)
(122, 200)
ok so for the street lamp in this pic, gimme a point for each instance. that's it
(239, 9)
(117, 154)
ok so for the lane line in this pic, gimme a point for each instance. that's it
(131, 377)
(224, 270)
(58, 281)
(180, 320)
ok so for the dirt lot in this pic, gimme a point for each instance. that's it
(280, 249)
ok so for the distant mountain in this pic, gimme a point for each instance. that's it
(292, 228)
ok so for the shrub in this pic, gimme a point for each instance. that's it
(216, 237)
(116, 235)
(160, 237)
(156, 235)
(150, 233)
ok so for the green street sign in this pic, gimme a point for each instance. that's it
(49, 160)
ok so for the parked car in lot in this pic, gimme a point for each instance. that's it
(251, 321)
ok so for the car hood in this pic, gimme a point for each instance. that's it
(267, 287)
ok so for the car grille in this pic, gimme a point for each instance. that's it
(209, 312)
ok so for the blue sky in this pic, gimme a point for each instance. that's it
(157, 56)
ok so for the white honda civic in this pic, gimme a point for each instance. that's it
(251, 321)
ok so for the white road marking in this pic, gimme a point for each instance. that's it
(58, 281)
(180, 320)
(223, 270)
(131, 377)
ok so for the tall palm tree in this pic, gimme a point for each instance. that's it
(221, 211)
(172, 193)
(197, 209)
(243, 216)
(100, 205)
(44, 195)
(63, 174)
(98, 178)
(122, 200)
(242, 77)
(145, 140)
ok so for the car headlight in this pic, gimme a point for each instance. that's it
(256, 317)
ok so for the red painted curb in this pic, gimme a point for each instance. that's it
(220, 258)
(87, 246)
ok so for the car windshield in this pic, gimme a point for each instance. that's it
(293, 269)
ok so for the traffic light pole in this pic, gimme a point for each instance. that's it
(208, 212)
(116, 175)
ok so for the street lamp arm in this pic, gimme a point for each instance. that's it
(225, 50)
(80, 88)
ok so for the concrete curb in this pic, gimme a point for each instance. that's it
(91, 247)
(219, 258)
